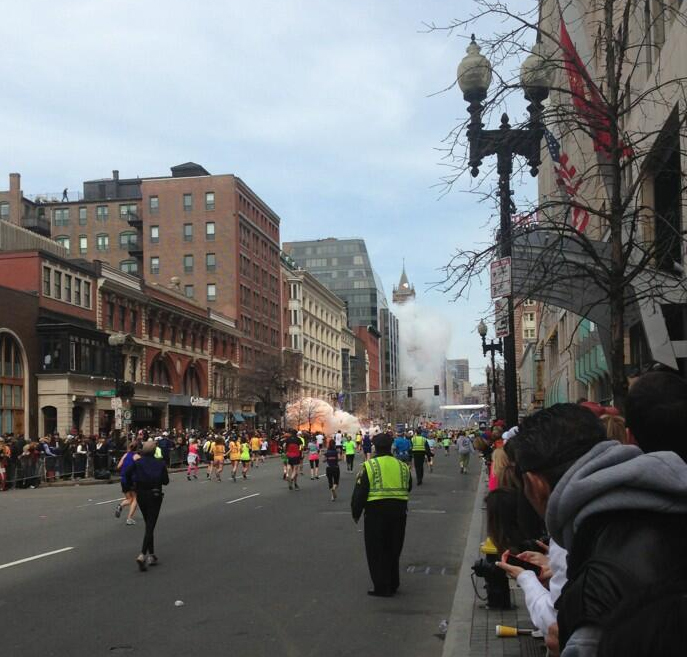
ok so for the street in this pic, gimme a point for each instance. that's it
(261, 570)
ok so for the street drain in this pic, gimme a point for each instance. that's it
(424, 569)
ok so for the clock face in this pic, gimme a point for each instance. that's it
(405, 285)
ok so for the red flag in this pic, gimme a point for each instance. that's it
(586, 96)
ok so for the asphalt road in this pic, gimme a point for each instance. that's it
(261, 570)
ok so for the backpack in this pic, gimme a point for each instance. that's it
(465, 445)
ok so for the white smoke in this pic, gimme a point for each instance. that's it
(310, 414)
(425, 338)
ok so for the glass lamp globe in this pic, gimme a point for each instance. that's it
(474, 71)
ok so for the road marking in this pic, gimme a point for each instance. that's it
(428, 511)
(108, 501)
(240, 499)
(38, 556)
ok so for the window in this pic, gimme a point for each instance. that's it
(63, 240)
(83, 244)
(188, 263)
(83, 216)
(128, 240)
(188, 291)
(188, 232)
(122, 318)
(77, 291)
(210, 231)
(129, 266)
(155, 265)
(47, 276)
(188, 202)
(86, 294)
(134, 321)
(212, 292)
(528, 317)
(210, 263)
(4, 211)
(61, 216)
(57, 287)
(102, 242)
(68, 288)
(209, 200)
(101, 212)
(155, 234)
(357, 260)
(110, 314)
(153, 204)
(127, 209)
(12, 387)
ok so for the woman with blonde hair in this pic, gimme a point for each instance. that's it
(502, 471)
(615, 428)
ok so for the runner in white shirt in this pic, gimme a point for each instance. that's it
(319, 438)
(264, 447)
(338, 441)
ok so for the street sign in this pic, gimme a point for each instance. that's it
(127, 415)
(500, 278)
(116, 403)
(105, 393)
(501, 326)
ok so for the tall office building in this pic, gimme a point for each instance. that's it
(344, 267)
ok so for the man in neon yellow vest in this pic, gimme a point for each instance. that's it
(421, 451)
(381, 490)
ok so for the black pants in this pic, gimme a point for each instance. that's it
(333, 475)
(349, 461)
(149, 501)
(419, 459)
(385, 530)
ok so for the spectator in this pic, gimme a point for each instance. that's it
(619, 513)
(615, 429)
(656, 412)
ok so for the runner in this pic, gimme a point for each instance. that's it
(431, 441)
(234, 455)
(338, 442)
(255, 449)
(465, 449)
(192, 459)
(264, 447)
(358, 440)
(218, 450)
(367, 446)
(331, 456)
(207, 450)
(282, 455)
(129, 491)
(314, 458)
(245, 457)
(292, 448)
(446, 443)
(349, 449)
(304, 443)
(320, 440)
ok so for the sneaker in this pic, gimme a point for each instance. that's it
(130, 521)
(152, 560)
(118, 511)
(312, 478)
(296, 486)
(334, 493)
(290, 485)
(195, 476)
(233, 477)
(142, 563)
(187, 477)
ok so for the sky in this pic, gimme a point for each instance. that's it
(332, 111)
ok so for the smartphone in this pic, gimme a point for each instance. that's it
(514, 561)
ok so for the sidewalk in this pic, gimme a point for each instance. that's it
(472, 628)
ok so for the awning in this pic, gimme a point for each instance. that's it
(248, 415)
(219, 418)
(237, 416)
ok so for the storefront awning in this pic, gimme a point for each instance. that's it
(248, 415)
(237, 416)
(219, 418)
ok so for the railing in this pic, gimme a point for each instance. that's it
(55, 197)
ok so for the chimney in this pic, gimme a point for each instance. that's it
(115, 174)
(15, 197)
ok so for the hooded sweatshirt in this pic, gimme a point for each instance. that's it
(633, 497)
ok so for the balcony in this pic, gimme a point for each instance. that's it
(135, 248)
(37, 224)
(134, 220)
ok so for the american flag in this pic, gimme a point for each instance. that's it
(567, 179)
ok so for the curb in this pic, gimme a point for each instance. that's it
(459, 632)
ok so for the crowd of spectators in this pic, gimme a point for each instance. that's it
(595, 505)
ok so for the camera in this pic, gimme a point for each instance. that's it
(495, 583)
(485, 569)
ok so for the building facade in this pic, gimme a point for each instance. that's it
(404, 292)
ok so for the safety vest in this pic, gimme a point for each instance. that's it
(349, 447)
(418, 443)
(388, 477)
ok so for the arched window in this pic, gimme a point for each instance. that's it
(11, 385)
(63, 240)
(191, 382)
(128, 239)
(129, 266)
(159, 373)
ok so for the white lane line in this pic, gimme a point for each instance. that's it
(240, 499)
(427, 511)
(108, 501)
(38, 556)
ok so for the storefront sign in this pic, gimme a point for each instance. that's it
(200, 401)
(105, 393)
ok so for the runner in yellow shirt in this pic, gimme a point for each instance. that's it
(234, 455)
(255, 449)
(218, 457)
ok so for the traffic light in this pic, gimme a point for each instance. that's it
(410, 391)
(436, 391)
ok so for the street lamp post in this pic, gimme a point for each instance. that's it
(491, 348)
(474, 78)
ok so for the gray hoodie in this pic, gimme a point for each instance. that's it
(612, 477)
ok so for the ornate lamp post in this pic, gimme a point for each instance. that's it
(474, 78)
(492, 348)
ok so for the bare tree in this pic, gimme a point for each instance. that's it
(267, 384)
(604, 238)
